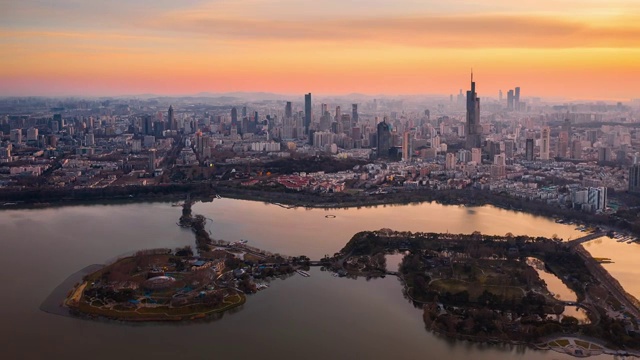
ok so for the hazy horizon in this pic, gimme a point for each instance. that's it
(587, 49)
(298, 97)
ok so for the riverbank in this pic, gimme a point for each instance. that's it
(464, 197)
(54, 303)
(207, 192)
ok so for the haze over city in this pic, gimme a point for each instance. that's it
(562, 49)
(360, 179)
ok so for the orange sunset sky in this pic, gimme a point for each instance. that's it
(587, 49)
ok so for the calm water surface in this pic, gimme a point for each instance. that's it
(559, 289)
(625, 261)
(319, 317)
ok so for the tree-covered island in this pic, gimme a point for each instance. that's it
(175, 285)
(484, 288)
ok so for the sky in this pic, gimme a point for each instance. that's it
(576, 49)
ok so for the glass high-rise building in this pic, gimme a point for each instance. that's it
(384, 139)
(307, 112)
(474, 130)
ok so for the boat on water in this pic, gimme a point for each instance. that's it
(303, 273)
(261, 286)
(241, 242)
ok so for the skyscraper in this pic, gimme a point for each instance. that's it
(476, 155)
(473, 117)
(288, 111)
(147, 125)
(516, 99)
(529, 150)
(576, 149)
(58, 118)
(384, 139)
(566, 126)
(171, 119)
(234, 115)
(345, 123)
(510, 100)
(450, 161)
(634, 178)
(307, 112)
(544, 143)
(158, 128)
(152, 160)
(354, 113)
(597, 198)
(509, 149)
(563, 144)
(406, 146)
(32, 134)
(16, 135)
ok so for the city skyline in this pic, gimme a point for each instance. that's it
(293, 47)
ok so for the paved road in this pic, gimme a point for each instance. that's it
(611, 284)
(586, 238)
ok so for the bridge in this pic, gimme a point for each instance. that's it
(592, 313)
(586, 238)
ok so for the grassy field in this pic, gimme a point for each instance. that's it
(160, 313)
(475, 289)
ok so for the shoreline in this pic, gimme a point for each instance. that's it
(464, 197)
(55, 302)
(72, 282)
(442, 318)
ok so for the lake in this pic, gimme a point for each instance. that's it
(318, 317)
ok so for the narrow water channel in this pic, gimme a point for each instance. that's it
(558, 289)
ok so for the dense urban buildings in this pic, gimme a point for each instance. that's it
(570, 160)
(410, 142)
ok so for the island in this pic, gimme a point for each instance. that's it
(475, 287)
(487, 288)
(178, 285)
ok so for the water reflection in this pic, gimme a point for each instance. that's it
(318, 317)
(558, 289)
(299, 231)
(394, 260)
(624, 261)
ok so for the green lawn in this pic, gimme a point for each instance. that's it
(161, 313)
(475, 289)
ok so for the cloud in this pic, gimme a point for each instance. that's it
(466, 31)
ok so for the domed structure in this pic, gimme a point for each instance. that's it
(159, 283)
